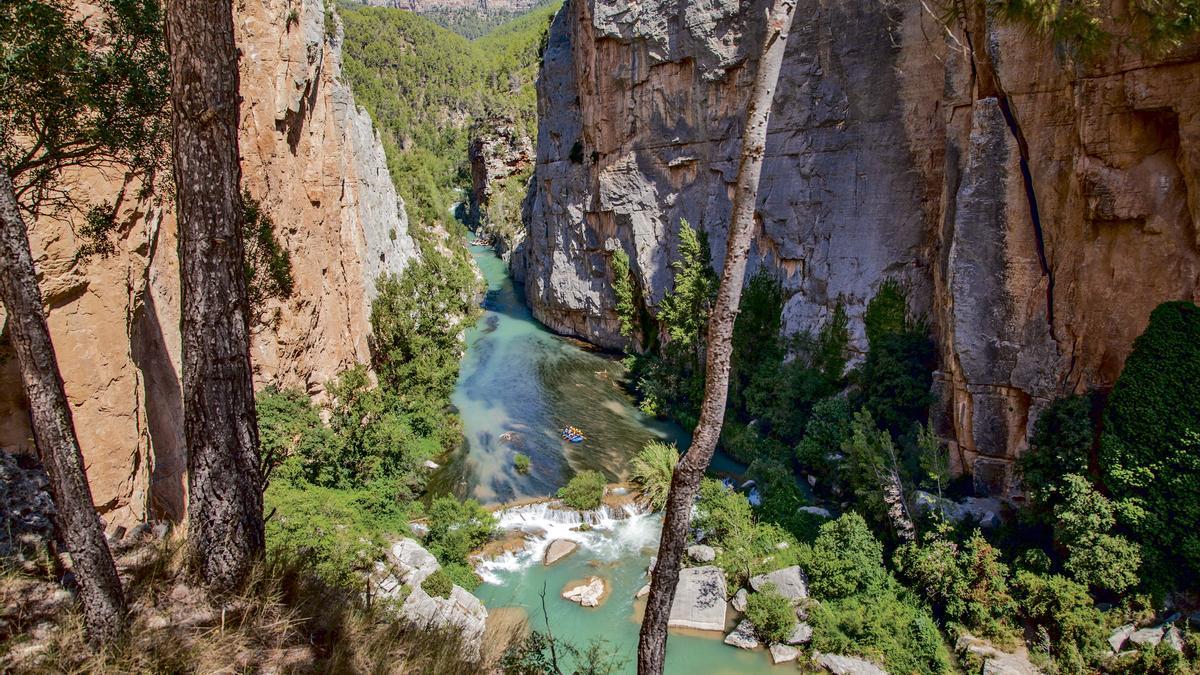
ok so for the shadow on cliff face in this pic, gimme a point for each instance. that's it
(164, 412)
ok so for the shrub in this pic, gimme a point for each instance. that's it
(887, 312)
(869, 455)
(457, 528)
(967, 583)
(439, 584)
(773, 616)
(1061, 445)
(846, 559)
(1150, 449)
(781, 498)
(652, 470)
(290, 433)
(585, 490)
(521, 463)
(887, 627)
(1083, 518)
(623, 289)
(896, 379)
(1064, 610)
(826, 431)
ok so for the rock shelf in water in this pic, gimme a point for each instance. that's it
(590, 593)
(559, 549)
(699, 599)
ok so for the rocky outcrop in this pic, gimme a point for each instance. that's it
(559, 549)
(1037, 207)
(312, 159)
(499, 153)
(699, 599)
(789, 582)
(588, 593)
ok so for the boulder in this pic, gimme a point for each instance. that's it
(783, 653)
(559, 549)
(699, 599)
(986, 510)
(1147, 637)
(996, 661)
(847, 665)
(816, 510)
(412, 561)
(743, 636)
(1118, 637)
(1174, 639)
(461, 610)
(431, 465)
(789, 581)
(801, 634)
(589, 594)
(643, 591)
(740, 599)
(702, 553)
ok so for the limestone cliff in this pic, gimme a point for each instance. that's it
(312, 158)
(499, 154)
(1037, 207)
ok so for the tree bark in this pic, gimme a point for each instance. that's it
(225, 522)
(76, 523)
(685, 483)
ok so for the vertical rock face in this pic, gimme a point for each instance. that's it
(313, 160)
(498, 151)
(1036, 208)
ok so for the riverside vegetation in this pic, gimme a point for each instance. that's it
(1111, 481)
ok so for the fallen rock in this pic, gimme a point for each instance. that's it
(816, 510)
(743, 636)
(847, 665)
(1174, 639)
(431, 465)
(1147, 637)
(702, 553)
(984, 510)
(996, 661)
(801, 634)
(589, 594)
(461, 610)
(740, 599)
(789, 581)
(783, 653)
(412, 561)
(559, 549)
(643, 591)
(1118, 637)
(699, 599)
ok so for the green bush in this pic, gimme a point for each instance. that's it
(439, 584)
(869, 454)
(896, 379)
(462, 574)
(773, 616)
(744, 547)
(585, 490)
(846, 559)
(1150, 448)
(887, 312)
(652, 470)
(781, 499)
(1061, 445)
(521, 463)
(827, 430)
(623, 288)
(457, 528)
(1064, 611)
(968, 584)
(290, 433)
(1083, 518)
(888, 627)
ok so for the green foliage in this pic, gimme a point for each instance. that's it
(474, 22)
(887, 627)
(887, 312)
(585, 490)
(623, 288)
(268, 265)
(846, 559)
(934, 457)
(896, 380)
(521, 463)
(968, 584)
(1150, 448)
(781, 499)
(756, 341)
(869, 455)
(462, 574)
(1060, 446)
(828, 428)
(773, 616)
(1080, 26)
(457, 528)
(424, 85)
(79, 93)
(652, 470)
(539, 653)
(290, 431)
(1083, 519)
(339, 531)
(1064, 611)
(439, 584)
(745, 547)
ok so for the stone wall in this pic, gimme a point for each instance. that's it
(312, 158)
(1037, 207)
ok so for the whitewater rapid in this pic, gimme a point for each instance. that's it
(614, 533)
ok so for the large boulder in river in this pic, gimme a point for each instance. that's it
(559, 549)
(743, 636)
(789, 581)
(702, 553)
(699, 599)
(590, 593)
(783, 653)
(847, 665)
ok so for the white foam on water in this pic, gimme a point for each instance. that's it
(614, 533)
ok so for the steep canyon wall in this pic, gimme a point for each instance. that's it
(314, 161)
(1037, 207)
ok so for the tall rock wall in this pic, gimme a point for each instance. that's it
(1037, 207)
(313, 160)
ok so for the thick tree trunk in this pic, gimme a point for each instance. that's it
(78, 527)
(225, 522)
(652, 647)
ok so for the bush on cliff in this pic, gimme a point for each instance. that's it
(773, 616)
(1150, 448)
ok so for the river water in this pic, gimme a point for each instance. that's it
(519, 384)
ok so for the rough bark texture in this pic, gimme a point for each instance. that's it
(76, 522)
(1037, 207)
(685, 482)
(225, 522)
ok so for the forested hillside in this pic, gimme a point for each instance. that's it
(424, 85)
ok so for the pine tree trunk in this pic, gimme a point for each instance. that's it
(76, 523)
(685, 483)
(225, 522)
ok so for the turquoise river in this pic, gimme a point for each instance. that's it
(518, 386)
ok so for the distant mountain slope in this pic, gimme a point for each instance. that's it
(470, 18)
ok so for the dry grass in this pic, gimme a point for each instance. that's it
(284, 621)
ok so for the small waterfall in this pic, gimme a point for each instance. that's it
(612, 532)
